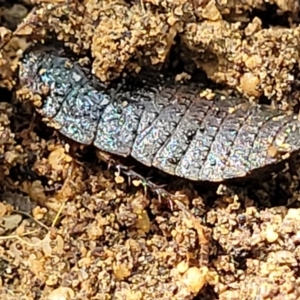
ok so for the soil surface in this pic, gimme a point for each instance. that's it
(72, 228)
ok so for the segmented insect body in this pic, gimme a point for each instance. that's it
(159, 122)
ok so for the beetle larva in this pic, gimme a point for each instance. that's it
(159, 122)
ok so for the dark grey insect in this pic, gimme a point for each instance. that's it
(159, 122)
